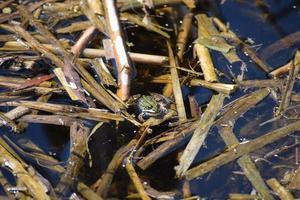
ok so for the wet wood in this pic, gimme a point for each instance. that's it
(219, 87)
(183, 35)
(287, 93)
(78, 137)
(136, 181)
(282, 192)
(200, 133)
(295, 182)
(94, 53)
(92, 113)
(124, 67)
(243, 197)
(87, 192)
(176, 86)
(34, 187)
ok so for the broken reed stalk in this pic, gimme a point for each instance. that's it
(206, 63)
(183, 34)
(73, 111)
(176, 86)
(295, 181)
(92, 53)
(202, 52)
(219, 87)
(36, 189)
(136, 19)
(281, 191)
(234, 196)
(17, 112)
(281, 70)
(83, 41)
(136, 180)
(260, 83)
(235, 109)
(59, 120)
(232, 112)
(78, 137)
(93, 10)
(135, 4)
(287, 93)
(205, 123)
(124, 68)
(87, 192)
(240, 150)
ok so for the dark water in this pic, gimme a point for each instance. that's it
(264, 24)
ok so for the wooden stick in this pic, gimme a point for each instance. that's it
(281, 70)
(183, 34)
(93, 53)
(234, 196)
(219, 87)
(136, 180)
(83, 41)
(122, 61)
(73, 111)
(87, 192)
(78, 138)
(281, 191)
(206, 63)
(176, 86)
(287, 94)
(48, 119)
(205, 123)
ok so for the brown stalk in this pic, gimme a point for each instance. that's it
(78, 137)
(83, 41)
(122, 61)
(183, 34)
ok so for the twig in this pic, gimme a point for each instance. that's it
(183, 34)
(282, 192)
(287, 94)
(200, 134)
(124, 68)
(136, 180)
(176, 86)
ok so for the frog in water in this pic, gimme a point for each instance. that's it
(147, 106)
